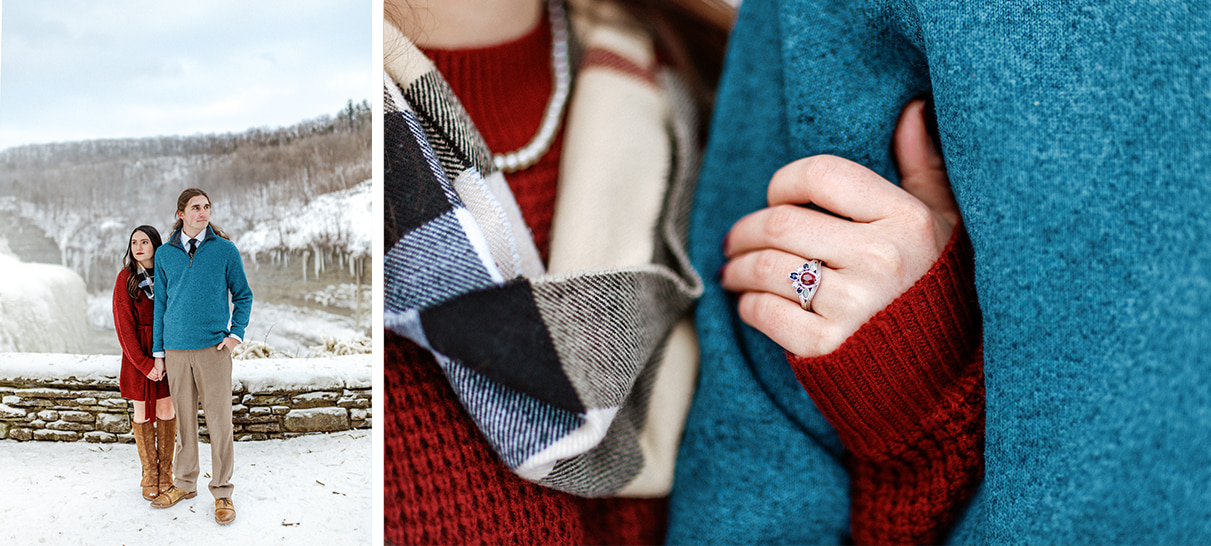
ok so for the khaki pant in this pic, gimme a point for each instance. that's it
(202, 375)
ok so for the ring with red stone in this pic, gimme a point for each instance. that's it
(806, 280)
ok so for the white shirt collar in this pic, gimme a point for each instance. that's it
(200, 237)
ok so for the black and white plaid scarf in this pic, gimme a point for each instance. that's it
(579, 376)
(146, 281)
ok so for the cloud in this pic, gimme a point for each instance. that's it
(124, 68)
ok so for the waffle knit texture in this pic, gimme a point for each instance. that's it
(578, 373)
(444, 484)
(1076, 141)
(200, 300)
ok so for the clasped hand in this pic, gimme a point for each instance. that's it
(878, 241)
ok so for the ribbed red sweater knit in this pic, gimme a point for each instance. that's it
(906, 395)
(443, 484)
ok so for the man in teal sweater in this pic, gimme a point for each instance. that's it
(1077, 137)
(195, 329)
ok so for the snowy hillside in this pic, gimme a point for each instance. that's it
(339, 219)
(296, 200)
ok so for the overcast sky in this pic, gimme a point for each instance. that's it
(78, 70)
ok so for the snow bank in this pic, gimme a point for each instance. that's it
(341, 219)
(294, 330)
(42, 307)
(260, 375)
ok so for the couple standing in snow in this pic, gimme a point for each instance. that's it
(171, 313)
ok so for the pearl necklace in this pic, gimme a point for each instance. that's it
(529, 154)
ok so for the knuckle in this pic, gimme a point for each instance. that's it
(919, 216)
(766, 265)
(755, 309)
(832, 338)
(746, 307)
(780, 221)
(884, 256)
(818, 166)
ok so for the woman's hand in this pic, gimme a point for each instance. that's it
(157, 371)
(887, 239)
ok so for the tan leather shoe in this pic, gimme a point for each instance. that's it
(224, 511)
(171, 497)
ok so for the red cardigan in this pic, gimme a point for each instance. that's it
(443, 483)
(132, 320)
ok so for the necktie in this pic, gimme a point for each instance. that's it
(193, 246)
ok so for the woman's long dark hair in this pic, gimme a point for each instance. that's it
(132, 265)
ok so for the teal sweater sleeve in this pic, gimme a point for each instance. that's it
(159, 288)
(241, 294)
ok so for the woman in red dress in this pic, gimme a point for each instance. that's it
(142, 379)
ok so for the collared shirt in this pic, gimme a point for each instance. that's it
(200, 237)
(185, 244)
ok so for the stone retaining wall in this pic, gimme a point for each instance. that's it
(70, 398)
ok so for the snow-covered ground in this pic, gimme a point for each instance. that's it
(346, 295)
(313, 489)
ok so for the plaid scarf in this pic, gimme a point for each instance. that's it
(146, 281)
(579, 376)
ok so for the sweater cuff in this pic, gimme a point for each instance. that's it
(880, 387)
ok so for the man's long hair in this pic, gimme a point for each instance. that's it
(183, 201)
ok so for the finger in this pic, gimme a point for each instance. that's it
(763, 271)
(839, 186)
(220, 347)
(793, 230)
(922, 169)
(804, 334)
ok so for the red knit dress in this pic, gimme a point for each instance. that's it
(132, 320)
(443, 484)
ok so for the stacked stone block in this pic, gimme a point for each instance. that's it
(71, 410)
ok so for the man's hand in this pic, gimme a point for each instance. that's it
(228, 343)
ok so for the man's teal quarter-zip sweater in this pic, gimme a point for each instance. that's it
(192, 309)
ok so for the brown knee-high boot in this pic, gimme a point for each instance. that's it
(145, 441)
(166, 444)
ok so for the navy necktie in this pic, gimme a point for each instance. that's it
(193, 246)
